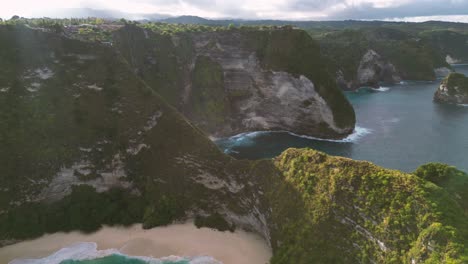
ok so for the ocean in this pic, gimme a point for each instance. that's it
(398, 127)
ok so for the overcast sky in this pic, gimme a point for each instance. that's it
(413, 10)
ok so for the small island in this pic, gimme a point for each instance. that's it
(453, 90)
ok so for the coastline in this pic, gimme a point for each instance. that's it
(179, 240)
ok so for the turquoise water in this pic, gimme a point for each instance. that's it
(87, 253)
(406, 129)
(117, 259)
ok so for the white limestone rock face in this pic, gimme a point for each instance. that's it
(271, 100)
(451, 60)
(249, 96)
(374, 69)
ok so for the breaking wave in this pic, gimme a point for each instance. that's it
(358, 133)
(247, 139)
(87, 252)
(381, 89)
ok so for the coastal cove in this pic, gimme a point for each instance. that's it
(177, 243)
(398, 126)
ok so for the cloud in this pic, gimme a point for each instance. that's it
(258, 9)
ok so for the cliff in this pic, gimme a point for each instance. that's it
(369, 56)
(230, 81)
(87, 143)
(453, 90)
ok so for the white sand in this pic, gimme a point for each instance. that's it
(181, 240)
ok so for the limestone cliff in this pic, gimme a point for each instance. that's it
(453, 90)
(239, 80)
(372, 70)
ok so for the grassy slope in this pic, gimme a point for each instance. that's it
(415, 219)
(165, 72)
(44, 131)
(208, 99)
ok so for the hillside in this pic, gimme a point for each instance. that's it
(87, 142)
(226, 80)
(73, 113)
(366, 53)
(366, 57)
(229, 81)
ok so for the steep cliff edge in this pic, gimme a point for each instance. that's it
(230, 81)
(361, 213)
(453, 90)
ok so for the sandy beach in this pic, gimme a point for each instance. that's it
(239, 247)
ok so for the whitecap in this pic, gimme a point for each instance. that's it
(463, 105)
(248, 138)
(358, 133)
(88, 250)
(381, 89)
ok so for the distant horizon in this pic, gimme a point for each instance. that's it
(114, 14)
(291, 10)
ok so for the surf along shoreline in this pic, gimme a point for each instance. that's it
(183, 240)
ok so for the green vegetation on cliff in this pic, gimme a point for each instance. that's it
(453, 89)
(414, 59)
(84, 209)
(454, 181)
(208, 98)
(457, 84)
(359, 212)
(448, 42)
(75, 112)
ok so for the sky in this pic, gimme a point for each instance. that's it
(393, 10)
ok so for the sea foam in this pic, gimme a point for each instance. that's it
(381, 89)
(88, 251)
(358, 133)
(249, 137)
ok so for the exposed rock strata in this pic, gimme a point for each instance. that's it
(222, 85)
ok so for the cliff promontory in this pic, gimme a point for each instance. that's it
(230, 81)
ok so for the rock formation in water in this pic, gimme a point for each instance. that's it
(239, 80)
(85, 142)
(453, 90)
(373, 70)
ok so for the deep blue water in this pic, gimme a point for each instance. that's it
(406, 128)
